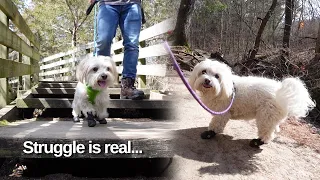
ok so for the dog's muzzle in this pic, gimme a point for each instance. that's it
(207, 83)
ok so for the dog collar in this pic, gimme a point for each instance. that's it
(92, 94)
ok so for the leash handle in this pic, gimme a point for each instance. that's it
(195, 96)
(91, 7)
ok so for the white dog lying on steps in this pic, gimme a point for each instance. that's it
(91, 97)
(267, 101)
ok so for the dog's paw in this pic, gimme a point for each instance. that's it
(208, 134)
(76, 119)
(102, 121)
(256, 143)
(91, 121)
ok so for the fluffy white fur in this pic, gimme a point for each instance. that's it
(91, 72)
(267, 101)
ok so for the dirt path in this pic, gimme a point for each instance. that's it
(228, 155)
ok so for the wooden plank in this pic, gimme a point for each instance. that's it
(59, 55)
(58, 85)
(61, 91)
(10, 39)
(64, 84)
(9, 112)
(27, 78)
(156, 30)
(142, 79)
(11, 68)
(62, 79)
(8, 7)
(114, 103)
(150, 51)
(58, 71)
(64, 62)
(4, 86)
(43, 81)
(152, 70)
(153, 31)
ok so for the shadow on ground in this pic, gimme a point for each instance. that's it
(223, 154)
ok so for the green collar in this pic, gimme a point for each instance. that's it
(92, 94)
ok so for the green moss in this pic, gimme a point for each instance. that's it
(4, 123)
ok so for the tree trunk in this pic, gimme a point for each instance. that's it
(179, 34)
(263, 24)
(288, 23)
(74, 37)
(318, 41)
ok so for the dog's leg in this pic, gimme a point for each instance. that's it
(217, 125)
(101, 115)
(267, 123)
(75, 111)
(90, 119)
(89, 112)
(76, 114)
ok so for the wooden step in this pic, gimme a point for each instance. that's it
(114, 103)
(57, 85)
(63, 91)
(152, 138)
(64, 84)
(58, 81)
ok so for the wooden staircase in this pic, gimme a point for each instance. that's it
(148, 132)
(60, 95)
(42, 114)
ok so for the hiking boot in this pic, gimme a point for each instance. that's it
(129, 91)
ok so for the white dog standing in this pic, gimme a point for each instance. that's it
(91, 97)
(267, 101)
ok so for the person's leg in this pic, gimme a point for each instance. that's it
(130, 25)
(108, 20)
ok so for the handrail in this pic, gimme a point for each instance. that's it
(8, 8)
(27, 68)
(60, 66)
(153, 31)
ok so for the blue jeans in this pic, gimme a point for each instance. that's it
(129, 18)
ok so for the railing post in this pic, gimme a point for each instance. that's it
(35, 76)
(44, 70)
(4, 85)
(60, 75)
(20, 81)
(27, 78)
(142, 79)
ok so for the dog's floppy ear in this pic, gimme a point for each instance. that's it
(226, 80)
(192, 79)
(82, 70)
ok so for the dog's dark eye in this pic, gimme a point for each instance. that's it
(216, 76)
(108, 68)
(204, 72)
(95, 69)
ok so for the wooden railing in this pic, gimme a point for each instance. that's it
(25, 67)
(61, 67)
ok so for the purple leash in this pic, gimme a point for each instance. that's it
(177, 67)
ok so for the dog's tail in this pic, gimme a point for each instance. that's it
(294, 97)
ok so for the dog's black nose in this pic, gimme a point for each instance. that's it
(207, 81)
(104, 76)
